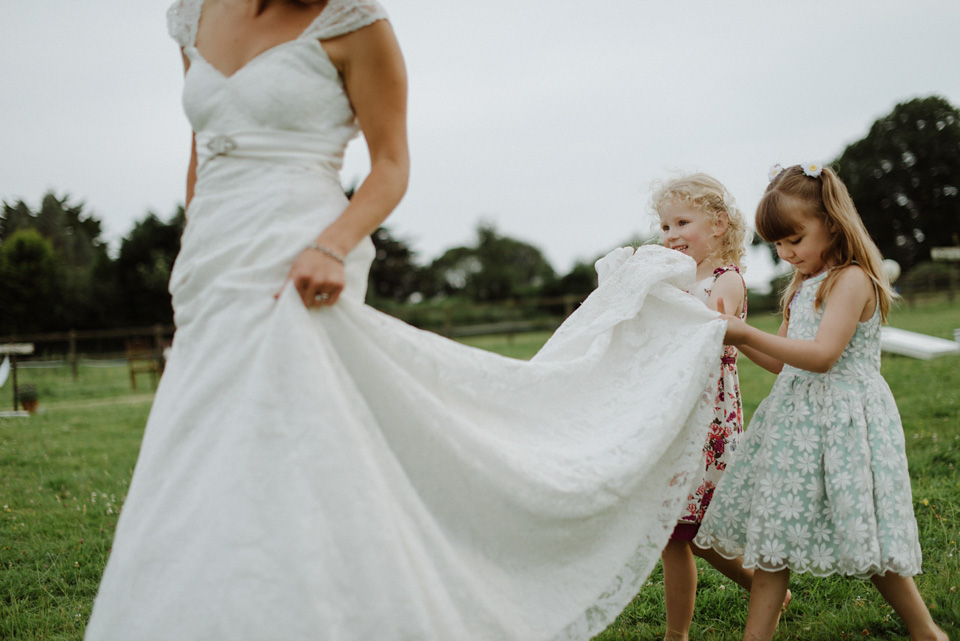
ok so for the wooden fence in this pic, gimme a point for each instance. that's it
(916, 287)
(67, 344)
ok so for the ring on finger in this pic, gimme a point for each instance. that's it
(322, 297)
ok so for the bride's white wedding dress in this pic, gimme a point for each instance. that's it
(335, 474)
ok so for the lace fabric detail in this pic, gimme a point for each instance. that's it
(183, 16)
(343, 16)
(337, 18)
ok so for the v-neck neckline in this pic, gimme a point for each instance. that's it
(257, 56)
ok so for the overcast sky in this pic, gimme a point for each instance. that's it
(549, 119)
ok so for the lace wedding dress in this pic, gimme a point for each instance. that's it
(335, 474)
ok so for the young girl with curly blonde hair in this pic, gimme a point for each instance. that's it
(700, 218)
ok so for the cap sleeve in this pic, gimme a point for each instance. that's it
(343, 16)
(183, 16)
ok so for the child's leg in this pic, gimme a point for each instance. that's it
(766, 599)
(679, 588)
(902, 594)
(732, 569)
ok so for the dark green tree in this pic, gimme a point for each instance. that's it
(581, 279)
(30, 283)
(394, 274)
(496, 268)
(84, 272)
(14, 217)
(143, 268)
(904, 177)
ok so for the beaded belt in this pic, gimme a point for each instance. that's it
(270, 146)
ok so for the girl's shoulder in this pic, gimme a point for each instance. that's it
(852, 288)
(729, 284)
(853, 276)
(729, 278)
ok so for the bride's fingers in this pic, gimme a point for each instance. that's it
(334, 297)
(720, 305)
(314, 290)
(328, 295)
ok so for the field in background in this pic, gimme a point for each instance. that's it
(65, 472)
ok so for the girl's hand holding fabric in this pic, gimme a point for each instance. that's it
(736, 327)
(736, 330)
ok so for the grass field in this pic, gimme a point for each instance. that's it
(64, 474)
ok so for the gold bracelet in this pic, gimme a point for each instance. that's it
(329, 252)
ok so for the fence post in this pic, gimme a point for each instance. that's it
(568, 305)
(447, 321)
(73, 356)
(158, 344)
(16, 395)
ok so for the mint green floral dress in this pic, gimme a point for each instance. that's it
(819, 483)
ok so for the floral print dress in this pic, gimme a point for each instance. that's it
(726, 426)
(820, 481)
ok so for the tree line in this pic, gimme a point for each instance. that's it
(56, 272)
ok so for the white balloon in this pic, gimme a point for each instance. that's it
(891, 268)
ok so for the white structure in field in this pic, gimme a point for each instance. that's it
(900, 341)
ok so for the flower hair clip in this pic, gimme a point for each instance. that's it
(812, 169)
(774, 172)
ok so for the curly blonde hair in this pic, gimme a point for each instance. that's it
(707, 195)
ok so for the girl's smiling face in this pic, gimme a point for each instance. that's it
(688, 230)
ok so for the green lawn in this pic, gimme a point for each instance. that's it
(64, 473)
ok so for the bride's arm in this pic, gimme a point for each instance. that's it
(373, 72)
(191, 170)
(192, 166)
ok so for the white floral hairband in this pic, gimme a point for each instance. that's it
(810, 169)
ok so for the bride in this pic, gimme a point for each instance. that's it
(313, 469)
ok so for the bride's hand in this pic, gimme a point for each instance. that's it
(318, 278)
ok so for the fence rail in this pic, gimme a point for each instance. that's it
(158, 335)
(919, 286)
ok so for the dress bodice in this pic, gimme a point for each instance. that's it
(861, 356)
(291, 89)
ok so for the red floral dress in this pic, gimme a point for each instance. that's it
(726, 427)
